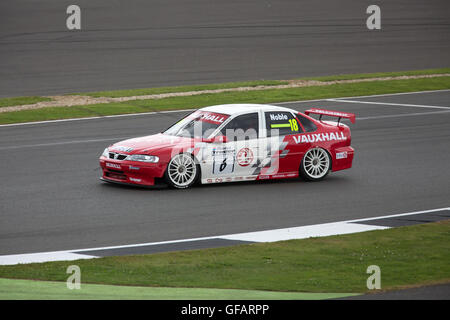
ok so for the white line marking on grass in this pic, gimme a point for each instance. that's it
(389, 104)
(318, 230)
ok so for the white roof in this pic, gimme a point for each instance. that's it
(243, 108)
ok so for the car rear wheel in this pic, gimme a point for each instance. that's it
(315, 164)
(182, 171)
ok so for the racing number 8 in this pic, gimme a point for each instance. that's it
(294, 124)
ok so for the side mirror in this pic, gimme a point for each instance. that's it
(217, 139)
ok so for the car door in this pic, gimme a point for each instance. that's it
(282, 156)
(238, 158)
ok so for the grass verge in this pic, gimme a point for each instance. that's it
(43, 290)
(8, 102)
(149, 91)
(229, 85)
(407, 256)
(197, 101)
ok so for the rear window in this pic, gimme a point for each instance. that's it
(307, 124)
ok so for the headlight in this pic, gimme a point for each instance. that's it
(105, 153)
(143, 158)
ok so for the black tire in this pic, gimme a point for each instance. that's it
(315, 165)
(182, 171)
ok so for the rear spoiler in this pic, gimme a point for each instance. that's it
(331, 113)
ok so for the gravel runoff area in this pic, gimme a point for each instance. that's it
(78, 100)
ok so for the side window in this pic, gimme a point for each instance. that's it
(307, 124)
(281, 123)
(244, 127)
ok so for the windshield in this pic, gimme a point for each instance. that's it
(200, 124)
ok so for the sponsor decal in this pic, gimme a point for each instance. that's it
(216, 118)
(222, 151)
(330, 113)
(341, 155)
(230, 179)
(223, 161)
(284, 175)
(113, 165)
(279, 116)
(134, 168)
(244, 157)
(310, 138)
(135, 180)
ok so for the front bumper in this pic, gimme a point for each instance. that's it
(131, 172)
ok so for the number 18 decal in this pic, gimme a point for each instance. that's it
(294, 125)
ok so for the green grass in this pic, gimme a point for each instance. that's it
(407, 256)
(191, 102)
(7, 102)
(380, 75)
(17, 101)
(43, 290)
(148, 91)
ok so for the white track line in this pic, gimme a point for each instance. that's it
(42, 257)
(94, 118)
(374, 95)
(396, 94)
(389, 104)
(51, 144)
(318, 230)
(185, 110)
(302, 232)
(401, 115)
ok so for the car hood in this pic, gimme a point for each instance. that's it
(148, 144)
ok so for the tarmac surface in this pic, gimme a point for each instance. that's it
(51, 197)
(127, 44)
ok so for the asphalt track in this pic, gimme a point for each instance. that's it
(51, 198)
(139, 43)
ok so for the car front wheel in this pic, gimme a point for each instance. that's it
(182, 171)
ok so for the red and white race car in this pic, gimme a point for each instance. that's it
(235, 142)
